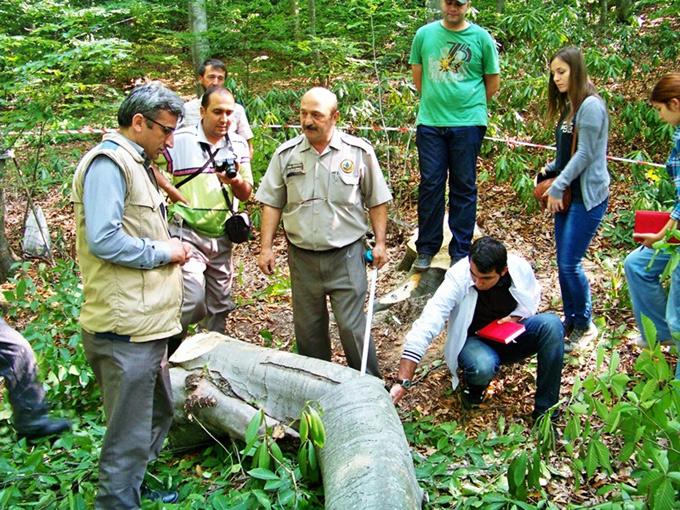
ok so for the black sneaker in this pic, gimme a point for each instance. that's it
(422, 262)
(160, 496)
(35, 422)
(472, 396)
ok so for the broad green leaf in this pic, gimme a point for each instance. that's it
(263, 474)
(664, 496)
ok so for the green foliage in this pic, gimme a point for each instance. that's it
(641, 411)
(66, 63)
(276, 481)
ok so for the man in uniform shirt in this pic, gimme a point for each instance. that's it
(320, 184)
(197, 163)
(132, 288)
(212, 73)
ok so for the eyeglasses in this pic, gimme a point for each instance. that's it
(167, 130)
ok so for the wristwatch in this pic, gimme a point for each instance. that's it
(406, 383)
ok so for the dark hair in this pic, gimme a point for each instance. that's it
(489, 254)
(580, 86)
(667, 88)
(211, 62)
(205, 100)
(149, 100)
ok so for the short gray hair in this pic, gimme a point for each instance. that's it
(149, 100)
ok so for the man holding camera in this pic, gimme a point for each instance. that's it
(211, 168)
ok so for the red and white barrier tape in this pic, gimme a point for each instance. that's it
(87, 130)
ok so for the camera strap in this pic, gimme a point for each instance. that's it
(230, 148)
(211, 159)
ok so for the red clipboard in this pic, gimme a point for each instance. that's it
(650, 222)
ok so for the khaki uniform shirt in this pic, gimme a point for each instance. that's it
(324, 196)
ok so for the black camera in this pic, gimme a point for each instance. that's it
(227, 165)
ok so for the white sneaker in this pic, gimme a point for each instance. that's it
(642, 343)
(581, 338)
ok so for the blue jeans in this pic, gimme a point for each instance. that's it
(447, 152)
(544, 336)
(650, 299)
(574, 230)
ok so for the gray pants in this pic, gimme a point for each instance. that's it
(135, 385)
(17, 366)
(207, 277)
(341, 275)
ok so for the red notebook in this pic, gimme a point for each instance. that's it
(502, 332)
(650, 222)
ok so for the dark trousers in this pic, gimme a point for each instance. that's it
(137, 395)
(544, 336)
(447, 152)
(18, 368)
(341, 275)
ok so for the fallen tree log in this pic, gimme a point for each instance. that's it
(222, 382)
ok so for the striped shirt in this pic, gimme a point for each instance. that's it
(673, 169)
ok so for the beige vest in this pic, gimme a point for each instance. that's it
(141, 303)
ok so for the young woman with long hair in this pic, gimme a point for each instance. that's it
(581, 166)
(644, 268)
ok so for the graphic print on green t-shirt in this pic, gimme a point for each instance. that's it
(453, 62)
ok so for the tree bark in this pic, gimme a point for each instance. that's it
(623, 8)
(220, 383)
(295, 14)
(7, 257)
(312, 32)
(604, 7)
(434, 8)
(198, 23)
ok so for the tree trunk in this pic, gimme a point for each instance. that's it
(222, 383)
(500, 6)
(312, 32)
(295, 14)
(604, 7)
(7, 257)
(366, 461)
(198, 23)
(623, 10)
(435, 9)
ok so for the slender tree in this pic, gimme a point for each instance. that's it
(7, 257)
(198, 22)
(295, 14)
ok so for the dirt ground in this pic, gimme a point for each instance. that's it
(264, 315)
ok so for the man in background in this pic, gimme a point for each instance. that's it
(212, 73)
(456, 71)
(26, 395)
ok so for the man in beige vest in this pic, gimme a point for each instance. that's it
(132, 287)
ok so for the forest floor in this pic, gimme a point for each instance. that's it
(264, 315)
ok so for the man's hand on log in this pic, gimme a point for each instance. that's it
(397, 392)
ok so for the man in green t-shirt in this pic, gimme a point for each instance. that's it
(456, 71)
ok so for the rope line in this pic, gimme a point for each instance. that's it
(511, 142)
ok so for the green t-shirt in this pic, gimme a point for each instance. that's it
(454, 64)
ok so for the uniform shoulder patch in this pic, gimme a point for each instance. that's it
(289, 144)
(355, 141)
